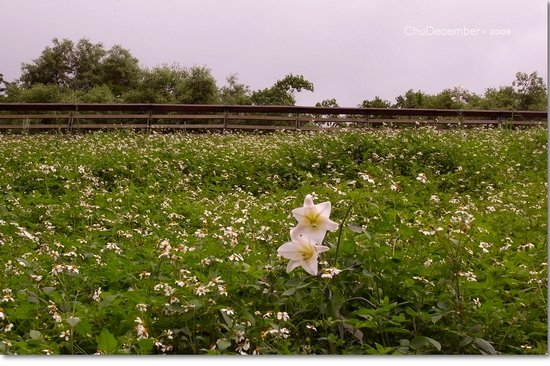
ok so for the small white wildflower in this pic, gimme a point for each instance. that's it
(427, 232)
(527, 246)
(311, 327)
(366, 177)
(66, 334)
(36, 278)
(469, 276)
(485, 246)
(235, 257)
(330, 272)
(201, 290)
(283, 315)
(228, 311)
(71, 268)
(422, 178)
(141, 330)
(144, 275)
(8, 327)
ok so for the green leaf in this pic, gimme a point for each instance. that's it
(23, 262)
(33, 300)
(355, 228)
(34, 334)
(289, 292)
(223, 344)
(72, 321)
(106, 342)
(436, 317)
(293, 282)
(145, 346)
(421, 341)
(227, 319)
(107, 301)
(465, 341)
(486, 346)
(48, 290)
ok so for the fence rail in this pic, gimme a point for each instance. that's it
(68, 116)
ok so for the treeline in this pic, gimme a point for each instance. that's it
(86, 72)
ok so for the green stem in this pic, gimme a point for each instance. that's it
(340, 233)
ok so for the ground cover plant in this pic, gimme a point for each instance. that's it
(132, 243)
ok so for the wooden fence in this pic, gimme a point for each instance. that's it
(74, 117)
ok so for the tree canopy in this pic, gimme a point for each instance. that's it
(87, 72)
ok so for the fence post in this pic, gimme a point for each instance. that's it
(297, 120)
(74, 115)
(71, 116)
(225, 117)
(149, 117)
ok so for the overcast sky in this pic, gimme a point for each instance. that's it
(351, 50)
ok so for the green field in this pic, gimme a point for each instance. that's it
(133, 243)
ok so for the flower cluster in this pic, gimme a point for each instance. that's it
(307, 237)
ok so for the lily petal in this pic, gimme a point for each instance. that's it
(290, 251)
(293, 264)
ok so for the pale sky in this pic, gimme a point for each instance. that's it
(351, 50)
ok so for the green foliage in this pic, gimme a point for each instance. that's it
(531, 91)
(40, 93)
(119, 70)
(97, 94)
(3, 86)
(77, 69)
(377, 102)
(411, 99)
(282, 92)
(128, 243)
(198, 87)
(327, 103)
(174, 84)
(81, 67)
(235, 93)
(54, 66)
(527, 92)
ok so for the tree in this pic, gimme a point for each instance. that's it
(527, 92)
(3, 86)
(97, 94)
(120, 70)
(530, 92)
(235, 93)
(156, 85)
(411, 99)
(86, 60)
(40, 93)
(54, 66)
(327, 103)
(197, 87)
(377, 102)
(282, 92)
(174, 84)
(82, 66)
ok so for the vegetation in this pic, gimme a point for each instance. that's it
(87, 72)
(127, 243)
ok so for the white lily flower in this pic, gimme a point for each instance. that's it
(313, 219)
(302, 252)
